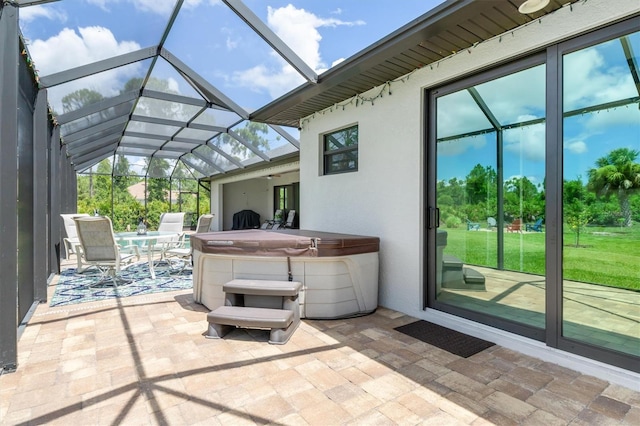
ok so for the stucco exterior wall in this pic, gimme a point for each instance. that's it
(384, 197)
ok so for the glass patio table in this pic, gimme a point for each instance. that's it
(150, 239)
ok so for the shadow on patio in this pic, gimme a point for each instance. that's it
(145, 360)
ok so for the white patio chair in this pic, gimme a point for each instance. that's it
(170, 222)
(71, 241)
(184, 253)
(100, 249)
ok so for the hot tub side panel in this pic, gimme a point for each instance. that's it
(333, 287)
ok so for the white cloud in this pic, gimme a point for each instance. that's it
(159, 7)
(459, 146)
(576, 147)
(336, 62)
(528, 142)
(31, 13)
(298, 28)
(173, 85)
(89, 44)
(231, 43)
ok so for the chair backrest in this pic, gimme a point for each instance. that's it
(204, 223)
(516, 224)
(171, 222)
(96, 237)
(491, 221)
(290, 217)
(277, 215)
(70, 224)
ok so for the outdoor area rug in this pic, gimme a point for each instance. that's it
(444, 338)
(76, 288)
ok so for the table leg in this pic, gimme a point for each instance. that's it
(150, 258)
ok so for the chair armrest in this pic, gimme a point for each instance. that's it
(133, 249)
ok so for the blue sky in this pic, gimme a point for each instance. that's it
(209, 38)
(213, 41)
(592, 76)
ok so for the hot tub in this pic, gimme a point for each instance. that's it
(338, 272)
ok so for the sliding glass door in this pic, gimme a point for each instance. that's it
(489, 181)
(601, 195)
(533, 196)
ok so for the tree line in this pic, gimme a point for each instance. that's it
(108, 194)
(611, 196)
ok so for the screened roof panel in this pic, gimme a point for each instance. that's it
(184, 146)
(231, 147)
(142, 142)
(218, 117)
(165, 78)
(459, 114)
(197, 134)
(281, 150)
(85, 91)
(96, 118)
(216, 158)
(158, 108)
(221, 64)
(205, 168)
(160, 167)
(152, 128)
(612, 64)
(168, 154)
(86, 136)
(515, 96)
(247, 56)
(136, 152)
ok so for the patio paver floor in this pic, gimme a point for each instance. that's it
(145, 360)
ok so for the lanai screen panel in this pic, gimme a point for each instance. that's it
(212, 30)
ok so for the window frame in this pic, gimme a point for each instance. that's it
(327, 154)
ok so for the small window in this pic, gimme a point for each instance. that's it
(340, 151)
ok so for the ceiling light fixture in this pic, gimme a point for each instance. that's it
(532, 6)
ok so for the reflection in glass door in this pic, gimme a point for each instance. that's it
(490, 173)
(601, 196)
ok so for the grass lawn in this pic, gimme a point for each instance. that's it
(607, 256)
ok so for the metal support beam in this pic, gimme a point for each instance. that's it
(293, 141)
(194, 166)
(41, 139)
(95, 154)
(9, 57)
(172, 97)
(116, 122)
(82, 167)
(203, 87)
(55, 235)
(228, 157)
(249, 145)
(82, 148)
(207, 161)
(272, 39)
(97, 67)
(178, 123)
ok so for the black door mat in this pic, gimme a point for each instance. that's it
(444, 338)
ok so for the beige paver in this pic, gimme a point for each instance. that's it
(145, 361)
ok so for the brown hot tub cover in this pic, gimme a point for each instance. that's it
(298, 242)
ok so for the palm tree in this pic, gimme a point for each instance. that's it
(617, 173)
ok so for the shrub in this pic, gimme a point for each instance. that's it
(453, 222)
